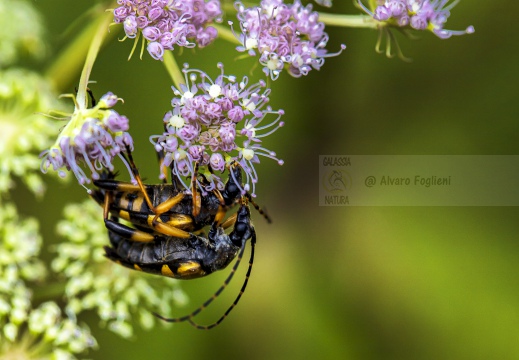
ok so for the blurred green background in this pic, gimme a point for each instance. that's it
(347, 282)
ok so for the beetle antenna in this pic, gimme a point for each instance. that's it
(262, 212)
(219, 291)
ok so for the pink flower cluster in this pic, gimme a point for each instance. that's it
(168, 23)
(285, 36)
(214, 124)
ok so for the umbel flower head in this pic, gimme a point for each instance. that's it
(20, 244)
(24, 131)
(215, 123)
(21, 31)
(44, 332)
(120, 297)
(165, 24)
(428, 15)
(92, 137)
(25, 332)
(284, 36)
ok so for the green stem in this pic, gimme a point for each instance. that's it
(70, 60)
(99, 36)
(351, 21)
(173, 70)
(49, 292)
(39, 348)
(226, 34)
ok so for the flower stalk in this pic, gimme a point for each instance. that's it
(72, 58)
(348, 21)
(97, 40)
(173, 70)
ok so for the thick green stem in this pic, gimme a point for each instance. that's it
(173, 70)
(97, 40)
(352, 21)
(69, 62)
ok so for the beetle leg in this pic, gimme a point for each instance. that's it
(230, 221)
(194, 194)
(114, 185)
(168, 204)
(128, 232)
(139, 218)
(93, 101)
(169, 230)
(137, 177)
(106, 205)
(159, 209)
